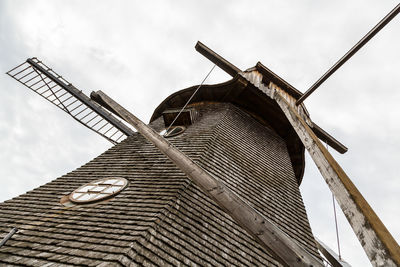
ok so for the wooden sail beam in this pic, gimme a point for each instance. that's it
(285, 249)
(351, 52)
(377, 242)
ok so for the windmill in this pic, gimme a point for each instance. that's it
(261, 78)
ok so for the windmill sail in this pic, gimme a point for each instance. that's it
(41, 79)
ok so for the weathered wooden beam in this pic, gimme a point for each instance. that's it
(377, 242)
(280, 245)
(8, 236)
(217, 59)
(329, 139)
(270, 76)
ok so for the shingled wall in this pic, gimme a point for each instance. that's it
(162, 218)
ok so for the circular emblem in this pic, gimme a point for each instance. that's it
(99, 189)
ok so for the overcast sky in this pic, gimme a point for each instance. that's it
(139, 52)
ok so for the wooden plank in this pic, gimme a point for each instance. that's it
(329, 139)
(351, 52)
(279, 244)
(270, 76)
(217, 59)
(377, 242)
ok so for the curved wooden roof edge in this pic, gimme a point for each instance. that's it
(244, 95)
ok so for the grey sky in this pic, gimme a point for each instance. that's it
(140, 52)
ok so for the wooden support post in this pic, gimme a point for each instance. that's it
(280, 245)
(377, 242)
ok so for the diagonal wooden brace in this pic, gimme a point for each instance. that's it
(267, 234)
(376, 240)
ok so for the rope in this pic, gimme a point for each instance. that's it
(334, 213)
(336, 225)
(197, 89)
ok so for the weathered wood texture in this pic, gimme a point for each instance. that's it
(330, 255)
(330, 140)
(377, 242)
(162, 218)
(267, 234)
(8, 236)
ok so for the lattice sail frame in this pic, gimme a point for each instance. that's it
(42, 80)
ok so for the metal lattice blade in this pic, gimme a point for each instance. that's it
(41, 79)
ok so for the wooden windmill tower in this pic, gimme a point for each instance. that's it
(220, 189)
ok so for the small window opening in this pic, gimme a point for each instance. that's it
(173, 131)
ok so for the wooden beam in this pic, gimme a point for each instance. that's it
(217, 59)
(8, 236)
(280, 245)
(377, 242)
(329, 139)
(351, 52)
(270, 76)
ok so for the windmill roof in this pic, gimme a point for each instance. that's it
(243, 94)
(161, 218)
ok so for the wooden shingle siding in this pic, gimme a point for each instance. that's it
(161, 218)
